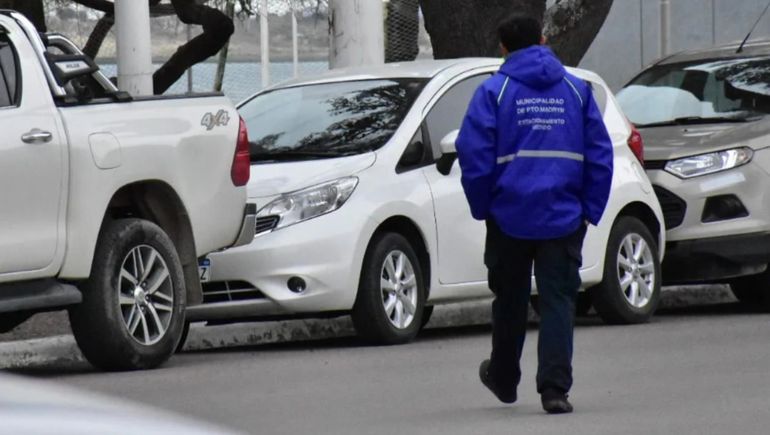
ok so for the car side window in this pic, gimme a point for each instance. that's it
(448, 112)
(9, 92)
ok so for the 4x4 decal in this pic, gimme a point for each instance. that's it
(220, 119)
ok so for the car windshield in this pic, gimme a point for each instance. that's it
(327, 120)
(706, 91)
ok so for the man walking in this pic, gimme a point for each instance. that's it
(536, 161)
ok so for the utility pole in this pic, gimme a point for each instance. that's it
(357, 33)
(665, 27)
(264, 41)
(294, 40)
(132, 25)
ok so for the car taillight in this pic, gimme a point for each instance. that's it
(242, 161)
(636, 144)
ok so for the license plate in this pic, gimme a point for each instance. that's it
(204, 270)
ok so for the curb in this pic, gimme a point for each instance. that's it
(61, 350)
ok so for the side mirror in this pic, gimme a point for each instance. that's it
(448, 153)
(67, 67)
(447, 144)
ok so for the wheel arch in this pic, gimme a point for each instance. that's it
(638, 210)
(411, 231)
(158, 202)
(644, 213)
(607, 296)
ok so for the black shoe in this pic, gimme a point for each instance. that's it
(555, 402)
(487, 381)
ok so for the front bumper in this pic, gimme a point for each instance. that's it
(325, 252)
(685, 200)
(248, 226)
(707, 250)
(716, 259)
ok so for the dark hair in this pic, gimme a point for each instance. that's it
(520, 31)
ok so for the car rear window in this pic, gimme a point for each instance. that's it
(706, 89)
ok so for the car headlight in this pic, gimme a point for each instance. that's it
(299, 206)
(710, 163)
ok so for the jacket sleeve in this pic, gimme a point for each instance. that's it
(598, 163)
(477, 152)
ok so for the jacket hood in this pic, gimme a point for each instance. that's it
(535, 66)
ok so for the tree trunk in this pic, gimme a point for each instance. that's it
(572, 25)
(462, 28)
(32, 9)
(402, 30)
(98, 35)
(217, 29)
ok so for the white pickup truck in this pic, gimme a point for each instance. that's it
(107, 201)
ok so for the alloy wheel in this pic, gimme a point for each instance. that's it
(146, 295)
(398, 283)
(636, 270)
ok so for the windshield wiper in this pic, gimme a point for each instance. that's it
(694, 120)
(296, 155)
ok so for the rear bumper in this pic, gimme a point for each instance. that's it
(248, 226)
(716, 259)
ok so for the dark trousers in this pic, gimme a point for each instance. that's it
(557, 264)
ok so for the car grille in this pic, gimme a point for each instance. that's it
(267, 223)
(673, 207)
(228, 291)
(655, 164)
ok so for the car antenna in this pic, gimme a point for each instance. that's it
(740, 48)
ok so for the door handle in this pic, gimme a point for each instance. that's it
(36, 136)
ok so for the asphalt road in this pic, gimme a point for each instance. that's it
(697, 370)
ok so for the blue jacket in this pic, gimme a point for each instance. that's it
(534, 151)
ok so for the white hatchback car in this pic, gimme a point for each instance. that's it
(363, 213)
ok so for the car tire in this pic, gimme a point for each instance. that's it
(391, 283)
(427, 313)
(630, 291)
(183, 337)
(582, 304)
(753, 291)
(132, 314)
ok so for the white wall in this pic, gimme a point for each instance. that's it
(629, 39)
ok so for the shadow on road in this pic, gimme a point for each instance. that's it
(731, 308)
(54, 369)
